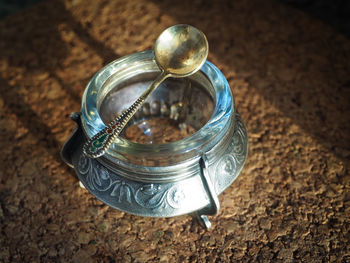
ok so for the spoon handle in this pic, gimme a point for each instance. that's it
(97, 145)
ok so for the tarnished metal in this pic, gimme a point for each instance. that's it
(160, 180)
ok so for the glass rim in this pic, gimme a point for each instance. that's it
(208, 135)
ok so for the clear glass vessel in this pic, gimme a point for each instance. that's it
(146, 173)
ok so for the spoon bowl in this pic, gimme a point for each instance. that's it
(181, 50)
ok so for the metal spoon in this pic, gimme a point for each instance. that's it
(180, 51)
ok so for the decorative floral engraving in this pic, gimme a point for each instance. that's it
(239, 141)
(175, 197)
(159, 198)
(150, 196)
(226, 169)
(122, 191)
(227, 165)
(83, 164)
(99, 178)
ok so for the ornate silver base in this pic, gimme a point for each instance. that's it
(193, 194)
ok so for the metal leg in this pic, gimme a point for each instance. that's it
(214, 206)
(71, 144)
(204, 221)
(81, 185)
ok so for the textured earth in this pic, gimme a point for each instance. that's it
(290, 77)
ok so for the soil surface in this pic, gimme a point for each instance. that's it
(158, 131)
(290, 77)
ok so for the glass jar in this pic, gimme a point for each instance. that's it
(168, 178)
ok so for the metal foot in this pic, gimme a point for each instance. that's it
(214, 205)
(204, 221)
(81, 185)
(71, 144)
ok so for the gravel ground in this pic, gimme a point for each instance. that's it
(290, 77)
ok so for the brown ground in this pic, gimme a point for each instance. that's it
(163, 130)
(290, 77)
